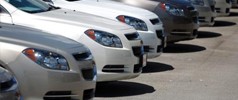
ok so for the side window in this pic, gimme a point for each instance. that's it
(2, 10)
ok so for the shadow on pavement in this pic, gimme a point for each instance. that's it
(205, 34)
(122, 88)
(233, 14)
(153, 67)
(223, 23)
(183, 48)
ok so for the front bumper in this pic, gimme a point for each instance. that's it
(120, 64)
(117, 63)
(153, 41)
(206, 16)
(178, 28)
(37, 83)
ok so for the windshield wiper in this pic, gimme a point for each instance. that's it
(52, 8)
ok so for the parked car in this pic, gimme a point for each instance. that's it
(206, 12)
(179, 17)
(47, 67)
(223, 7)
(147, 24)
(8, 86)
(234, 3)
(116, 47)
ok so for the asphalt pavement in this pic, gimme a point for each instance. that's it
(205, 68)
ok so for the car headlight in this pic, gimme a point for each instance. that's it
(135, 22)
(172, 9)
(47, 59)
(197, 2)
(104, 38)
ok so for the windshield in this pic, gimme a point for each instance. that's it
(30, 6)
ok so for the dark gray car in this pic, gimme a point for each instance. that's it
(179, 17)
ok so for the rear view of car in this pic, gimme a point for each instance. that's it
(8, 86)
(223, 7)
(206, 12)
(47, 67)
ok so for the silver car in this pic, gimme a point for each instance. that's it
(8, 86)
(47, 67)
(234, 3)
(206, 11)
(223, 7)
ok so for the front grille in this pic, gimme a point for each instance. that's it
(113, 68)
(82, 56)
(88, 94)
(138, 51)
(213, 8)
(7, 85)
(155, 21)
(58, 95)
(133, 36)
(88, 74)
(201, 19)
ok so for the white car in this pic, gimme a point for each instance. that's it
(223, 7)
(147, 24)
(46, 66)
(234, 3)
(116, 47)
(206, 11)
(8, 86)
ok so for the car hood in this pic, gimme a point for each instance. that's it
(83, 19)
(113, 7)
(31, 37)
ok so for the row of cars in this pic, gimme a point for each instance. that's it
(54, 46)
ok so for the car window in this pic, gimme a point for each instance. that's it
(3, 11)
(30, 6)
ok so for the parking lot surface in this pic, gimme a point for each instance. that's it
(202, 69)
